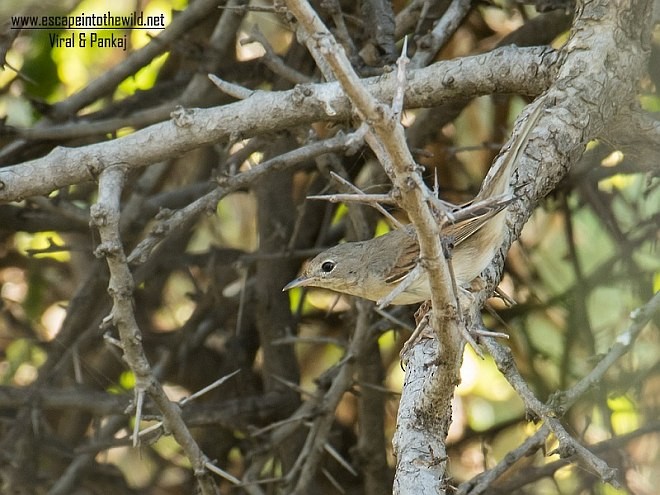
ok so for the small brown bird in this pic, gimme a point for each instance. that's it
(372, 269)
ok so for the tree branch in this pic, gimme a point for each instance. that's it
(504, 70)
(105, 216)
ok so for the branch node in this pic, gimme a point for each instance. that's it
(183, 117)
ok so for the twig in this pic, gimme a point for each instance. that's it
(354, 198)
(484, 481)
(400, 323)
(273, 61)
(333, 481)
(399, 93)
(531, 474)
(222, 473)
(401, 287)
(231, 89)
(216, 51)
(442, 31)
(210, 387)
(139, 403)
(338, 457)
(382, 210)
(159, 424)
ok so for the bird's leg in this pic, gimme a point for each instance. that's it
(465, 332)
(421, 311)
(447, 246)
(422, 330)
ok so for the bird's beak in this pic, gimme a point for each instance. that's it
(298, 282)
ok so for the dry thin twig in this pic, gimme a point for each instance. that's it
(442, 31)
(273, 61)
(376, 205)
(231, 89)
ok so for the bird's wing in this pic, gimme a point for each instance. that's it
(456, 233)
(460, 231)
(407, 258)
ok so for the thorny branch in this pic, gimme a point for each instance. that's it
(559, 403)
(387, 139)
(105, 216)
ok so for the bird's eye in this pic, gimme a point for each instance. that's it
(327, 266)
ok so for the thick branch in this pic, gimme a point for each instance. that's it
(506, 70)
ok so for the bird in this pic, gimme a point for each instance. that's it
(372, 269)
